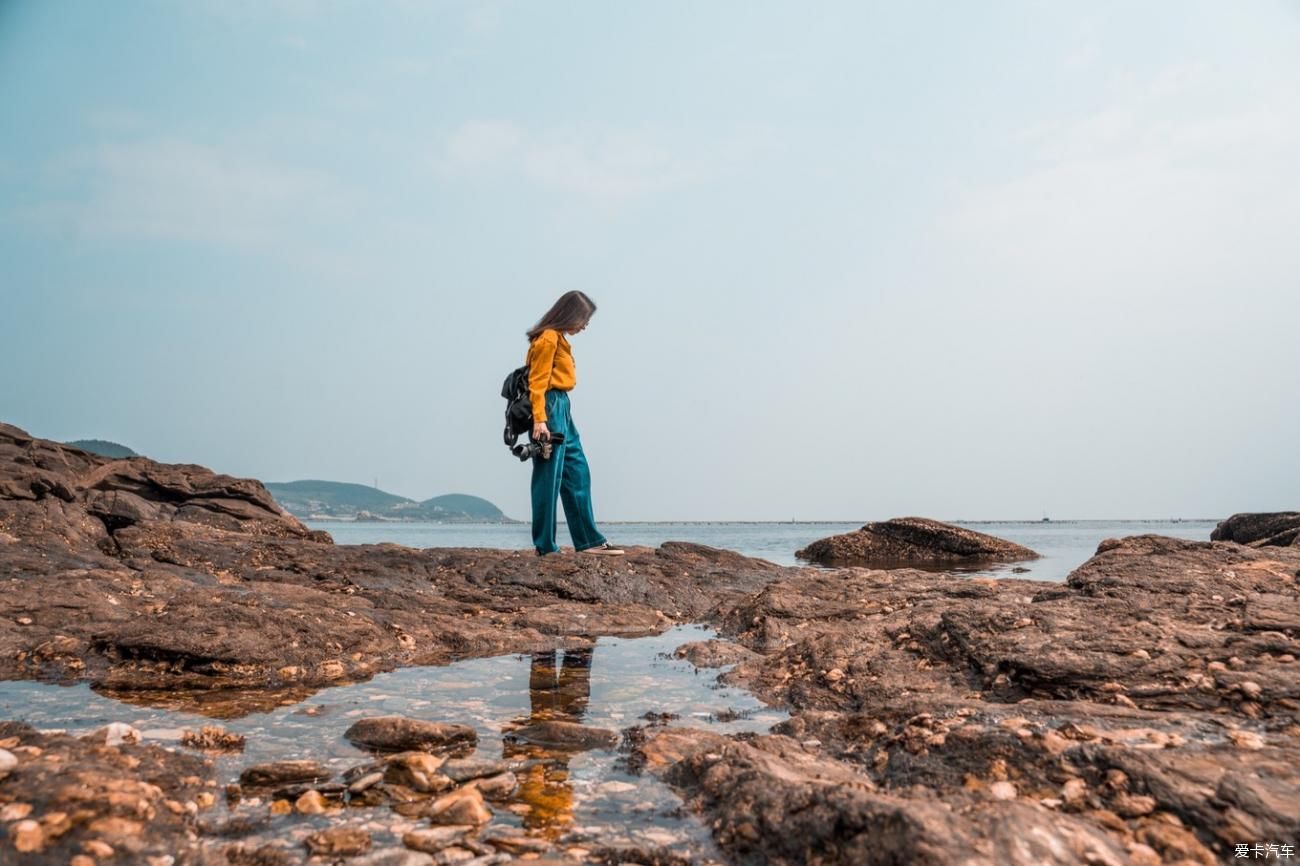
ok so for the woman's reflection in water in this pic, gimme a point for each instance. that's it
(559, 685)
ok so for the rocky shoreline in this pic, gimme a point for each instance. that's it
(1146, 711)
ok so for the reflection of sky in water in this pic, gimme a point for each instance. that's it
(628, 678)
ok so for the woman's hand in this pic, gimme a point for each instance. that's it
(540, 432)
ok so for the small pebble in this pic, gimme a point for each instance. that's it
(98, 849)
(27, 836)
(15, 811)
(1002, 791)
(310, 803)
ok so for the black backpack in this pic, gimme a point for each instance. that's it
(519, 408)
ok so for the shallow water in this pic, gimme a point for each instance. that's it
(573, 798)
(1064, 545)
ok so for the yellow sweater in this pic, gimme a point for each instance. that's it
(550, 365)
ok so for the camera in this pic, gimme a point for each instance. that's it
(537, 448)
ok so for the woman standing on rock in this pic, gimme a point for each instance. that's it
(551, 376)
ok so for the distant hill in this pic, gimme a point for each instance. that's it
(344, 501)
(329, 497)
(460, 503)
(103, 448)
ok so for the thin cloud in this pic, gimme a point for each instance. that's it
(605, 163)
(175, 189)
(1142, 188)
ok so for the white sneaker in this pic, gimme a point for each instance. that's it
(605, 549)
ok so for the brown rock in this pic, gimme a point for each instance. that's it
(906, 541)
(1002, 791)
(714, 653)
(97, 849)
(497, 787)
(311, 803)
(397, 733)
(116, 827)
(462, 806)
(76, 790)
(1268, 529)
(565, 736)
(15, 811)
(417, 771)
(944, 681)
(27, 836)
(338, 842)
(1134, 805)
(1175, 843)
(464, 769)
(213, 738)
(275, 773)
(431, 840)
(159, 577)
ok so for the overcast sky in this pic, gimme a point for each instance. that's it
(852, 260)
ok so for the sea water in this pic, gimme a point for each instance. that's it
(1063, 545)
(588, 797)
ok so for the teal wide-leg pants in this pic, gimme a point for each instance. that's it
(564, 475)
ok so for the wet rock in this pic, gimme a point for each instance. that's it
(311, 803)
(235, 827)
(69, 795)
(462, 806)
(253, 854)
(113, 734)
(338, 842)
(365, 782)
(417, 771)
(274, 773)
(497, 787)
(910, 541)
(714, 653)
(15, 811)
(213, 738)
(669, 746)
(399, 734)
(1266, 529)
(431, 840)
(464, 769)
(565, 736)
(7, 762)
(97, 849)
(394, 857)
(27, 836)
(519, 843)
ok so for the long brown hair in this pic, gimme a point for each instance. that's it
(572, 311)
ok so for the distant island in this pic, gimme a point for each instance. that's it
(103, 448)
(338, 500)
